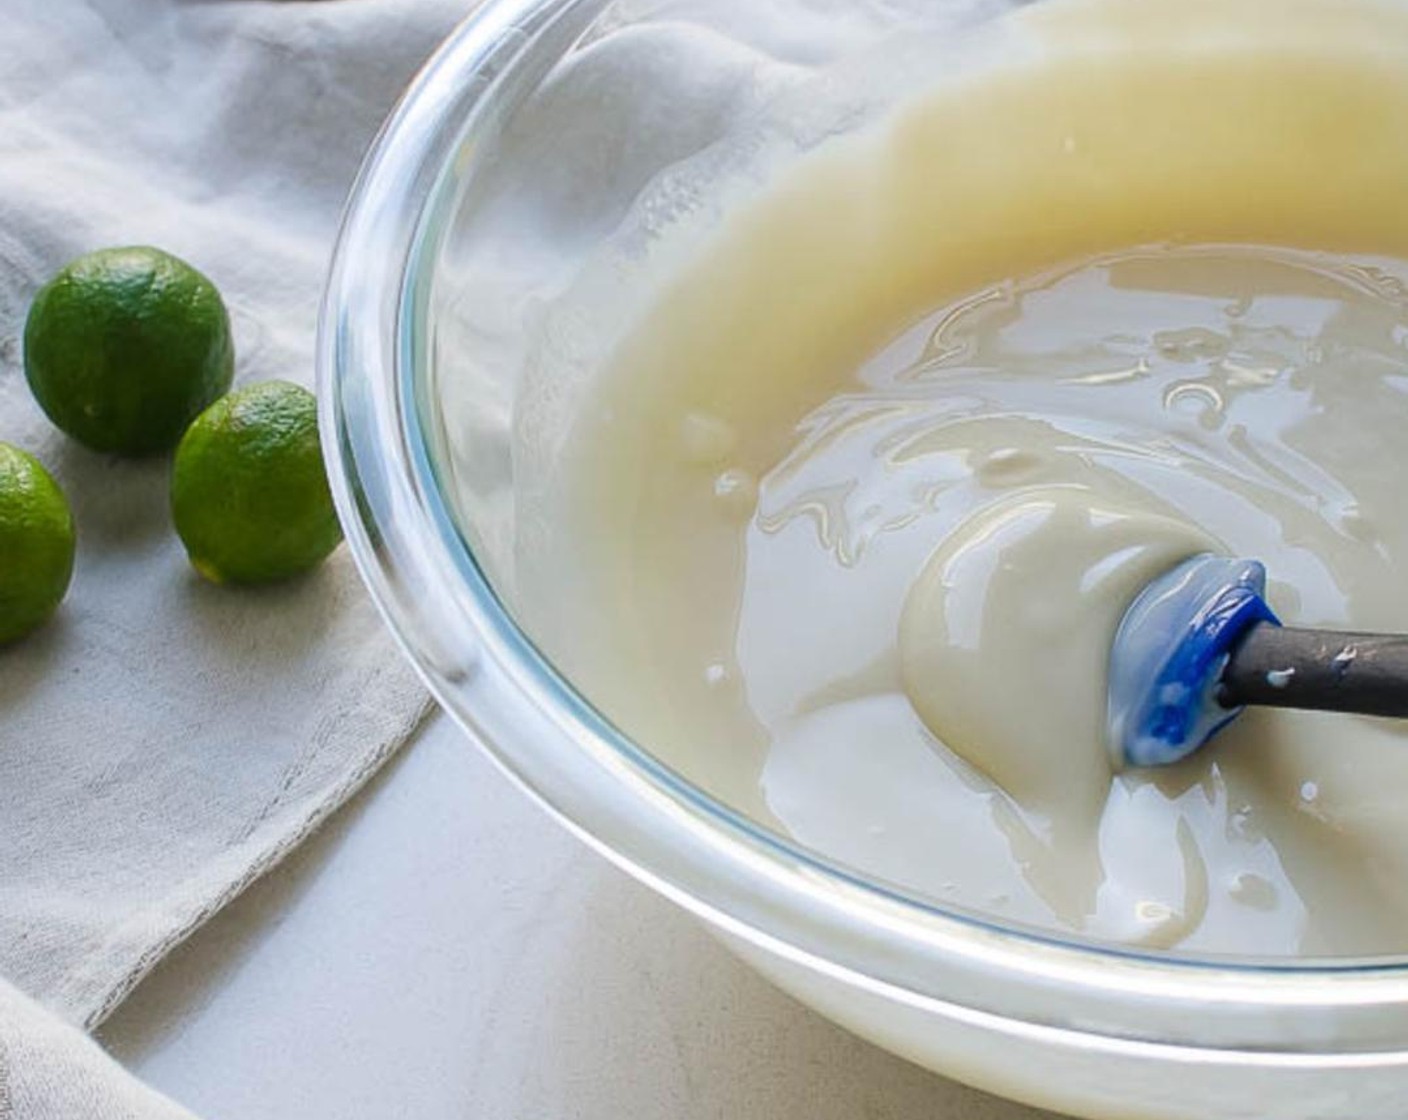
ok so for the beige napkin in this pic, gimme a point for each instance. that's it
(165, 741)
(51, 1069)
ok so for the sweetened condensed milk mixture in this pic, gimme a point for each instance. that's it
(860, 499)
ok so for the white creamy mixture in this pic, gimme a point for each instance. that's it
(858, 504)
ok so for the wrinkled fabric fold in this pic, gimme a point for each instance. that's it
(164, 741)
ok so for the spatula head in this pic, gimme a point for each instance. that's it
(1169, 654)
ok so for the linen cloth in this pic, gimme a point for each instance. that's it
(164, 741)
(49, 1068)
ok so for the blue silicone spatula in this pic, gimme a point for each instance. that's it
(1200, 644)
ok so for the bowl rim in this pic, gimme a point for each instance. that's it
(738, 876)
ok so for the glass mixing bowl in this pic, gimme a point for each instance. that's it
(516, 153)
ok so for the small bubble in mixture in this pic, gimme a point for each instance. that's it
(1197, 400)
(1309, 792)
(716, 674)
(737, 491)
(706, 440)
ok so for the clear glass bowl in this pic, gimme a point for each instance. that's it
(484, 142)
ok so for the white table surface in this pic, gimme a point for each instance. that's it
(444, 950)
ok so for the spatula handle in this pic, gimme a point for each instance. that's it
(1318, 670)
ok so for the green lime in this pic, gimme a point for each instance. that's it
(124, 347)
(36, 544)
(248, 492)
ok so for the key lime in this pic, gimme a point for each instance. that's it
(125, 347)
(36, 544)
(248, 491)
